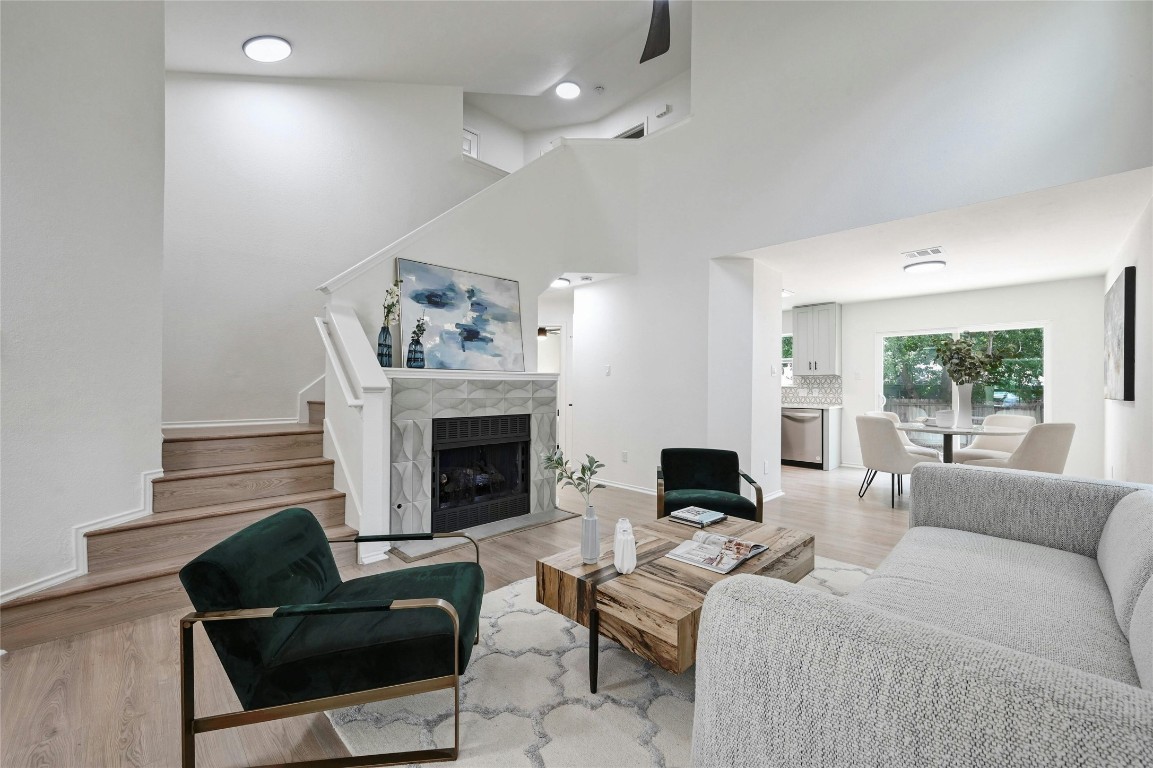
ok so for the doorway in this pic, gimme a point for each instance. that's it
(552, 349)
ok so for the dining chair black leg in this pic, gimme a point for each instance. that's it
(866, 482)
(900, 485)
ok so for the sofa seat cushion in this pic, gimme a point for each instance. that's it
(1046, 602)
(732, 504)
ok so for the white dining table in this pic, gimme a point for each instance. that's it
(949, 432)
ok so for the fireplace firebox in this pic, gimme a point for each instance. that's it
(480, 470)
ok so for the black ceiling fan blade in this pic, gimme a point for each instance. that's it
(660, 32)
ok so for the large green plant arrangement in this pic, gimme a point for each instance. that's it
(581, 479)
(965, 364)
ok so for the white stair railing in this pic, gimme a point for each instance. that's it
(362, 433)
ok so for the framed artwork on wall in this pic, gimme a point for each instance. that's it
(1121, 337)
(473, 319)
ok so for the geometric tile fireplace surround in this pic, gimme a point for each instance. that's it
(418, 397)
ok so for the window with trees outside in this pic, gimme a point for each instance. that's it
(787, 360)
(915, 385)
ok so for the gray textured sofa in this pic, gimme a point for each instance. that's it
(1012, 625)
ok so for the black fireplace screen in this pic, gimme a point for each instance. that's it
(480, 470)
(480, 473)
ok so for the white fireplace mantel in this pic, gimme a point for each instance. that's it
(438, 373)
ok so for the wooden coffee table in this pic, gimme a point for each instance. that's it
(654, 611)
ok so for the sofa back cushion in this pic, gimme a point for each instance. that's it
(1125, 553)
(1141, 637)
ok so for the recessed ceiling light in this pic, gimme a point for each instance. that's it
(267, 49)
(561, 282)
(924, 266)
(786, 293)
(567, 90)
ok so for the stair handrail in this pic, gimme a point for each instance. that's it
(341, 377)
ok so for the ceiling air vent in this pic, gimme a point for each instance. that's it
(935, 252)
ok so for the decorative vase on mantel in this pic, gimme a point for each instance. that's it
(590, 541)
(963, 407)
(384, 347)
(415, 357)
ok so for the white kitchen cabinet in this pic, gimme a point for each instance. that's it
(817, 340)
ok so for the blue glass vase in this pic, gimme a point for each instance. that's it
(415, 355)
(384, 347)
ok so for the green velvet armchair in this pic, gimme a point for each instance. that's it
(294, 638)
(706, 478)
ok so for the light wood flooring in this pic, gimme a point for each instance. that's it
(111, 697)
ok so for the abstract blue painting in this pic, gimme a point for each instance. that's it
(473, 320)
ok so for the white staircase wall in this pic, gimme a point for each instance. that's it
(274, 185)
(83, 184)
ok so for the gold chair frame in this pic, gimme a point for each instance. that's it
(192, 725)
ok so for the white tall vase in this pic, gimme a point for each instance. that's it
(963, 406)
(590, 541)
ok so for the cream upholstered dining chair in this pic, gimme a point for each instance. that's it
(883, 451)
(995, 446)
(910, 446)
(1044, 449)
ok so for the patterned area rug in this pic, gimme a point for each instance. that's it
(525, 697)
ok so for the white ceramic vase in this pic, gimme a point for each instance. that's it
(590, 543)
(964, 406)
(624, 547)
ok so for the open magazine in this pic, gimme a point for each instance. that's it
(715, 552)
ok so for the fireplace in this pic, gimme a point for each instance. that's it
(480, 470)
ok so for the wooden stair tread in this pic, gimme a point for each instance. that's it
(179, 435)
(239, 469)
(93, 581)
(218, 510)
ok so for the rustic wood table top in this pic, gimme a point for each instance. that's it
(654, 611)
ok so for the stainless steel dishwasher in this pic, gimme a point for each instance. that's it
(802, 437)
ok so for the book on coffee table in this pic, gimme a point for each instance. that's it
(697, 516)
(715, 552)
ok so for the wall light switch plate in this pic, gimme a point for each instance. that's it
(625, 457)
(766, 467)
(608, 370)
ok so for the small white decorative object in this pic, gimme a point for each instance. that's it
(945, 417)
(625, 547)
(964, 405)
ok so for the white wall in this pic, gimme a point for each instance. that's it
(1071, 312)
(83, 154)
(643, 109)
(272, 186)
(500, 144)
(1129, 425)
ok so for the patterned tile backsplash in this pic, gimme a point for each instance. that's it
(812, 390)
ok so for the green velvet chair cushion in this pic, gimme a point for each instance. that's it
(732, 504)
(705, 468)
(329, 655)
(284, 559)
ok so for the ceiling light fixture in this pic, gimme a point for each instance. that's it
(568, 90)
(561, 282)
(267, 49)
(586, 278)
(786, 293)
(924, 266)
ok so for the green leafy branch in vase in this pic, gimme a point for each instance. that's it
(582, 479)
(419, 329)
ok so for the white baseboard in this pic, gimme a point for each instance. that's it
(80, 549)
(371, 557)
(627, 487)
(774, 495)
(227, 423)
(847, 465)
(314, 391)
